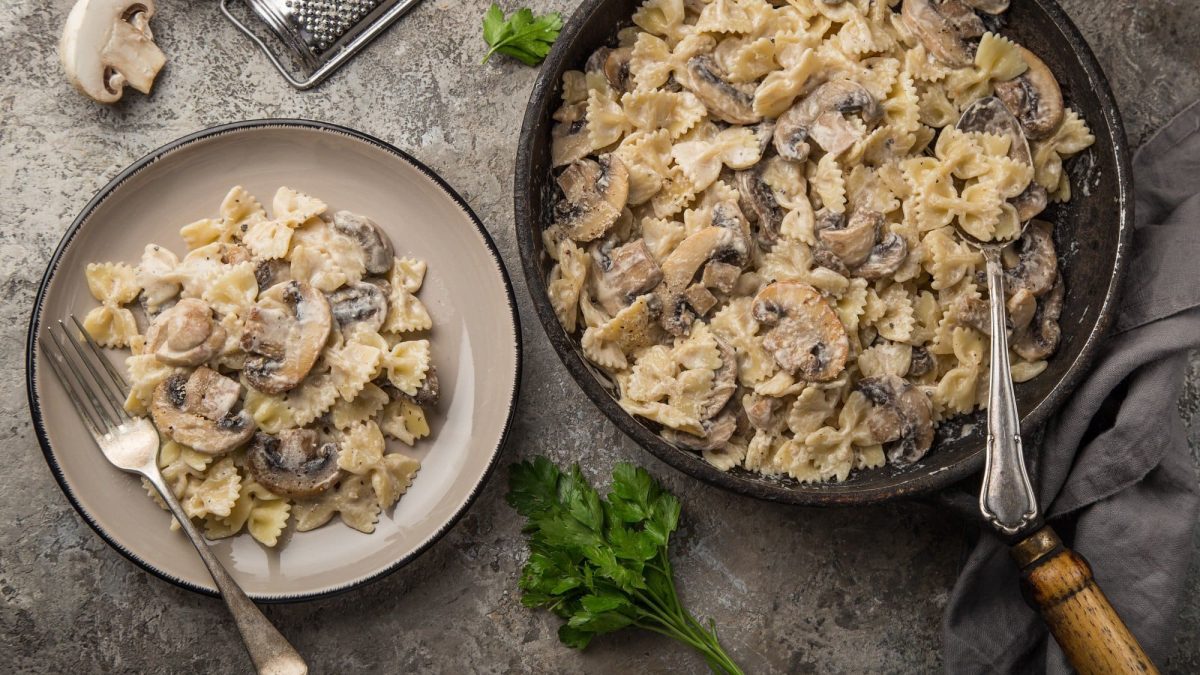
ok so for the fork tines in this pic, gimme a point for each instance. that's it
(95, 388)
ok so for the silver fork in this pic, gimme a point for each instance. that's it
(131, 444)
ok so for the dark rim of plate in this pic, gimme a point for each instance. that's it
(142, 164)
(837, 494)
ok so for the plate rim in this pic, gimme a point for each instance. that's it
(141, 164)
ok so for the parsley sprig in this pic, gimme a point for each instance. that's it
(523, 36)
(602, 564)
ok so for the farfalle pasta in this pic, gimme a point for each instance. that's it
(758, 231)
(275, 357)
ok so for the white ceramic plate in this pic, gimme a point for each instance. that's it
(475, 345)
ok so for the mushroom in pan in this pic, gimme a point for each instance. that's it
(886, 257)
(595, 193)
(376, 246)
(201, 411)
(361, 302)
(285, 332)
(714, 243)
(725, 101)
(1043, 335)
(988, 6)
(976, 312)
(901, 416)
(852, 241)
(821, 118)
(267, 273)
(717, 432)
(949, 29)
(759, 205)
(186, 334)
(614, 65)
(1034, 98)
(293, 464)
(990, 115)
(622, 273)
(569, 140)
(107, 44)
(1037, 263)
(807, 338)
(718, 426)
(922, 362)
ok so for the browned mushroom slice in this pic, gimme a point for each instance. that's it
(885, 258)
(294, 464)
(595, 193)
(1034, 98)
(807, 338)
(1037, 263)
(267, 273)
(569, 139)
(700, 299)
(285, 332)
(854, 242)
(821, 118)
(186, 334)
(359, 303)
(721, 276)
(922, 362)
(949, 29)
(623, 273)
(721, 244)
(759, 205)
(760, 410)
(616, 69)
(974, 313)
(724, 100)
(901, 417)
(724, 383)
(374, 242)
(1043, 335)
(201, 411)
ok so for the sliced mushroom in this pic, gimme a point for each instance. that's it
(901, 416)
(886, 257)
(949, 29)
(724, 100)
(922, 362)
(823, 257)
(807, 338)
(1042, 338)
(293, 464)
(717, 433)
(107, 44)
(359, 303)
(569, 139)
(820, 117)
(760, 410)
(976, 312)
(1022, 307)
(854, 242)
(713, 243)
(285, 332)
(759, 205)
(1031, 202)
(989, 6)
(623, 273)
(1037, 263)
(201, 411)
(973, 313)
(376, 246)
(429, 393)
(267, 273)
(700, 299)
(616, 69)
(721, 276)
(595, 193)
(724, 383)
(186, 334)
(1034, 98)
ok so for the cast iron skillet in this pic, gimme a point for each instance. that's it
(1091, 233)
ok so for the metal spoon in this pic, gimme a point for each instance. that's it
(1007, 500)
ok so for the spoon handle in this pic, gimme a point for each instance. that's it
(1007, 500)
(270, 651)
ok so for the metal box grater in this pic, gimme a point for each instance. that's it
(320, 34)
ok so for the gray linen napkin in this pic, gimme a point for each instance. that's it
(1116, 478)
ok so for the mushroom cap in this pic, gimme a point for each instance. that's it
(186, 334)
(569, 139)
(1034, 98)
(107, 44)
(595, 194)
(199, 411)
(293, 464)
(1041, 338)
(886, 257)
(854, 241)
(378, 254)
(267, 273)
(1037, 262)
(807, 339)
(360, 302)
(947, 28)
(820, 117)
(285, 332)
(724, 100)
(616, 68)
(901, 415)
(622, 273)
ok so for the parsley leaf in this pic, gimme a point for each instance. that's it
(523, 36)
(602, 564)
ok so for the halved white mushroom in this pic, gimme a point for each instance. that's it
(201, 411)
(1037, 262)
(378, 254)
(361, 302)
(622, 273)
(949, 29)
(186, 334)
(1041, 338)
(715, 242)
(807, 338)
(1034, 98)
(293, 464)
(725, 100)
(285, 332)
(594, 195)
(901, 416)
(107, 44)
(821, 118)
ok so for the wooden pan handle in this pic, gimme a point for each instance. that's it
(1058, 582)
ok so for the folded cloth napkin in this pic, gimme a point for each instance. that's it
(1116, 478)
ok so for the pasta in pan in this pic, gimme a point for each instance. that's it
(757, 232)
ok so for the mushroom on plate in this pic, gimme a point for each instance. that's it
(361, 302)
(949, 29)
(901, 416)
(201, 411)
(717, 242)
(293, 464)
(1034, 98)
(806, 337)
(186, 334)
(821, 118)
(594, 195)
(107, 44)
(725, 100)
(285, 332)
(374, 242)
(1037, 263)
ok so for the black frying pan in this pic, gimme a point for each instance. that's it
(1091, 233)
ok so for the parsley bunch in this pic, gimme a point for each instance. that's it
(602, 564)
(523, 36)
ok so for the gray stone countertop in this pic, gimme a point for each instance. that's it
(794, 590)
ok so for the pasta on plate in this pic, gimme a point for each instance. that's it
(279, 354)
(757, 231)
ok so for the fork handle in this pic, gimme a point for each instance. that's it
(270, 651)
